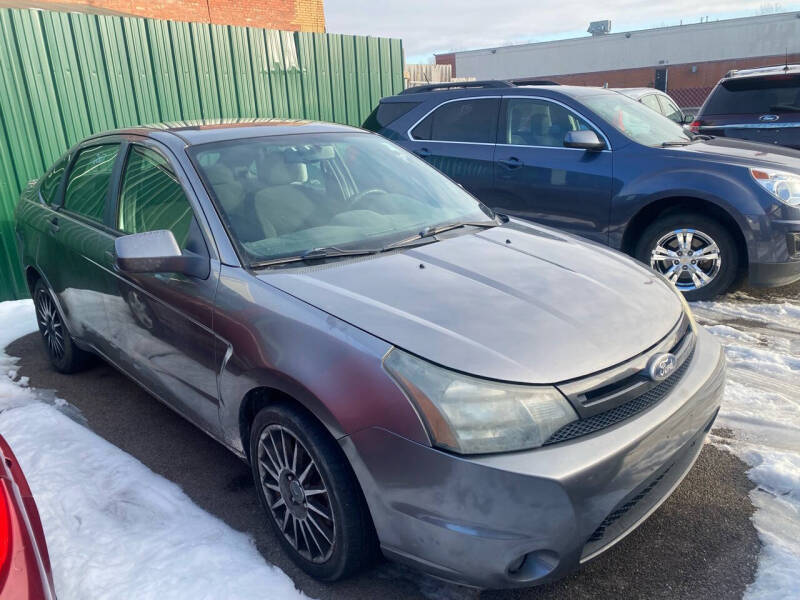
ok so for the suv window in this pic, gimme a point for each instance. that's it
(751, 95)
(534, 122)
(473, 120)
(152, 198)
(51, 181)
(386, 113)
(651, 101)
(668, 108)
(88, 181)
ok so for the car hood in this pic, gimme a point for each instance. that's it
(743, 152)
(514, 303)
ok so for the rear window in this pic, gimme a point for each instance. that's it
(386, 113)
(755, 95)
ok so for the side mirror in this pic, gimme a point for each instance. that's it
(585, 139)
(157, 252)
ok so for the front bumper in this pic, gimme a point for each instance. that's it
(473, 519)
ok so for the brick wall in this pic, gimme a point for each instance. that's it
(293, 15)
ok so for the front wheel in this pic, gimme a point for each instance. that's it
(310, 494)
(694, 252)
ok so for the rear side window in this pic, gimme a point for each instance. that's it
(52, 180)
(152, 198)
(88, 181)
(387, 113)
(750, 95)
(472, 120)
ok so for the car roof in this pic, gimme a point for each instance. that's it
(637, 92)
(493, 88)
(217, 130)
(785, 69)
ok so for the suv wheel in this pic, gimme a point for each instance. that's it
(694, 252)
(310, 494)
(64, 355)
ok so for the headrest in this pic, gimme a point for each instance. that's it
(218, 174)
(274, 170)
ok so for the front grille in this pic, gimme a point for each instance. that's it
(623, 411)
(620, 511)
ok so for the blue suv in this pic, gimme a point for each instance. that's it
(702, 211)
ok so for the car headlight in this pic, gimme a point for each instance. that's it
(469, 415)
(784, 186)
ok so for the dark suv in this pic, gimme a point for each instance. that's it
(762, 105)
(593, 162)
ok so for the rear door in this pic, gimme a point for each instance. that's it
(458, 138)
(76, 254)
(162, 322)
(539, 179)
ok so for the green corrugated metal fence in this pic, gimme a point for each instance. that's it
(64, 76)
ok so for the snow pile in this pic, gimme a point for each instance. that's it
(762, 407)
(114, 528)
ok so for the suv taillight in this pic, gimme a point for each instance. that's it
(694, 126)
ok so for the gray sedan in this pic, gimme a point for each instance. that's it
(406, 371)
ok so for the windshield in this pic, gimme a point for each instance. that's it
(636, 121)
(287, 195)
(755, 95)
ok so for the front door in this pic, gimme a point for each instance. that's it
(163, 321)
(538, 178)
(458, 139)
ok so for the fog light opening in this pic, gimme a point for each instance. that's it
(533, 565)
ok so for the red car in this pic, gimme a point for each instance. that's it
(24, 563)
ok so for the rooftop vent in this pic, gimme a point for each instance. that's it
(599, 27)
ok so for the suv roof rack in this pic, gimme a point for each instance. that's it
(772, 69)
(455, 85)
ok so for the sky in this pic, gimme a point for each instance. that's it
(432, 26)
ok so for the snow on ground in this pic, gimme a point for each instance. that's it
(114, 528)
(762, 409)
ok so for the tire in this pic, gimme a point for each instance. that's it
(64, 355)
(683, 237)
(284, 484)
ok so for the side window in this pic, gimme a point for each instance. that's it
(152, 198)
(88, 181)
(51, 181)
(669, 109)
(651, 102)
(533, 122)
(461, 121)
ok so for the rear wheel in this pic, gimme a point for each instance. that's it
(64, 355)
(694, 252)
(310, 494)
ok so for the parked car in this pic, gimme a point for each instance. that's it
(760, 105)
(24, 562)
(598, 164)
(490, 400)
(657, 101)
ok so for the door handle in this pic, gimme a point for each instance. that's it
(423, 152)
(54, 226)
(511, 163)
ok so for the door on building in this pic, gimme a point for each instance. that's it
(661, 80)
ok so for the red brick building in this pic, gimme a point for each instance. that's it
(292, 15)
(685, 60)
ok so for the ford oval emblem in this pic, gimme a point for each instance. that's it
(768, 118)
(661, 366)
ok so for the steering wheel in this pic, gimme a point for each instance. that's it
(361, 195)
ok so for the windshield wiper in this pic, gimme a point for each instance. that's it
(675, 143)
(313, 254)
(429, 232)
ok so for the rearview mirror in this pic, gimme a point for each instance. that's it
(157, 252)
(585, 140)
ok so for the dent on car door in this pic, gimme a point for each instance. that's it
(458, 139)
(162, 322)
(538, 178)
(75, 252)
